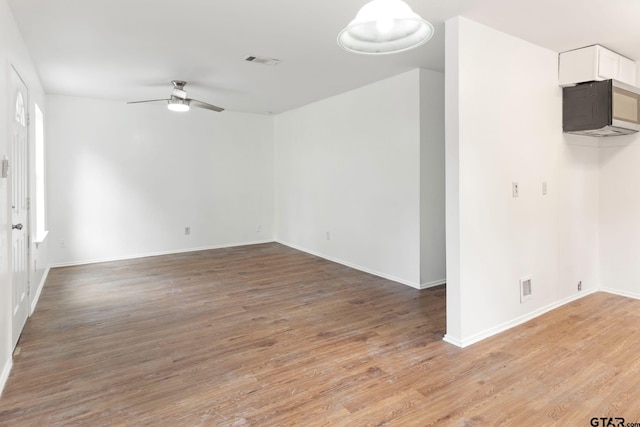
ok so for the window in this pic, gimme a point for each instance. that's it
(40, 199)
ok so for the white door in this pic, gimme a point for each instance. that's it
(19, 206)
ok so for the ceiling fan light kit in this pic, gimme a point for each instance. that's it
(383, 27)
(178, 105)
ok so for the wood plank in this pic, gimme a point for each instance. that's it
(266, 335)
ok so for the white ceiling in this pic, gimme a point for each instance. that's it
(131, 49)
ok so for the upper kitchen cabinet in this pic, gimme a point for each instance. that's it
(595, 63)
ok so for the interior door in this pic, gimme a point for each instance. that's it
(19, 207)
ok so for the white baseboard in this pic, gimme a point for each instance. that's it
(4, 376)
(433, 284)
(36, 297)
(452, 340)
(621, 293)
(145, 255)
(348, 264)
(465, 342)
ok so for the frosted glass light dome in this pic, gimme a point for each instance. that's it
(179, 105)
(385, 26)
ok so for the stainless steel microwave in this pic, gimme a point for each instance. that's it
(601, 108)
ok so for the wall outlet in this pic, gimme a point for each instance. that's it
(515, 190)
(187, 231)
(580, 285)
(328, 235)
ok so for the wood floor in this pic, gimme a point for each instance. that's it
(265, 335)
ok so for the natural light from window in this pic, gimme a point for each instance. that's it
(40, 199)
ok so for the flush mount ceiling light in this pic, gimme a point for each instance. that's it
(385, 26)
(177, 104)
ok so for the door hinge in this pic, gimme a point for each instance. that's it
(28, 203)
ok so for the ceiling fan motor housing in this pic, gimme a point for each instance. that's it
(178, 89)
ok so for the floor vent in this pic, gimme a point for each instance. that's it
(525, 289)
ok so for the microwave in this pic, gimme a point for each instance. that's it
(601, 108)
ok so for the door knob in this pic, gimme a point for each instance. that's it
(16, 227)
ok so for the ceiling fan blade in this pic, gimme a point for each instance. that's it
(150, 100)
(200, 104)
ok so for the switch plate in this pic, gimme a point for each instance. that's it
(5, 167)
(526, 288)
(515, 189)
(187, 231)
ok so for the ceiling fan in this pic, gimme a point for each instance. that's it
(179, 101)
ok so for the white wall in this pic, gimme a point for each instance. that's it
(620, 214)
(125, 180)
(579, 243)
(350, 166)
(452, 180)
(13, 52)
(504, 125)
(432, 179)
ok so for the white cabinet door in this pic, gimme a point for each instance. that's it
(607, 64)
(595, 63)
(580, 65)
(627, 71)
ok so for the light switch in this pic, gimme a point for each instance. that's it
(5, 167)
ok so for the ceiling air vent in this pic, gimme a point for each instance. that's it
(262, 60)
